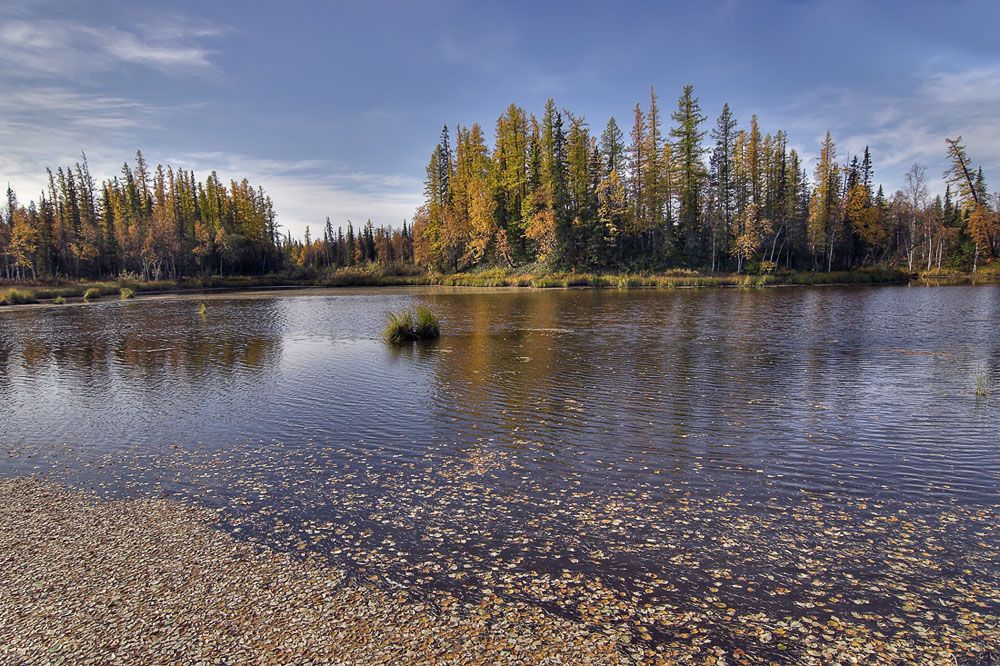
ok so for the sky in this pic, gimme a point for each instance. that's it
(334, 107)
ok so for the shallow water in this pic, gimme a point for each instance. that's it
(656, 443)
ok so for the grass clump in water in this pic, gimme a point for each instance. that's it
(59, 300)
(127, 293)
(93, 292)
(427, 326)
(982, 383)
(407, 327)
(17, 297)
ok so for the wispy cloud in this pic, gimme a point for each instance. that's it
(63, 48)
(50, 126)
(305, 192)
(904, 127)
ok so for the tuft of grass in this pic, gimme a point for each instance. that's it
(93, 292)
(982, 383)
(202, 310)
(127, 293)
(59, 300)
(427, 326)
(17, 297)
(406, 327)
(400, 328)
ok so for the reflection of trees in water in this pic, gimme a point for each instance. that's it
(164, 340)
(587, 368)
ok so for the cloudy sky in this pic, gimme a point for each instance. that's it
(334, 107)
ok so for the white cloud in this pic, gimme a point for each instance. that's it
(902, 129)
(305, 192)
(978, 86)
(49, 113)
(33, 47)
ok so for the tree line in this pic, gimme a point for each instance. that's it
(732, 199)
(728, 199)
(153, 223)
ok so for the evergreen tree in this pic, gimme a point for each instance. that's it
(612, 148)
(688, 150)
(721, 178)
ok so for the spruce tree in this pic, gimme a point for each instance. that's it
(688, 150)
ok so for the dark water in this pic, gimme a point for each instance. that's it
(655, 443)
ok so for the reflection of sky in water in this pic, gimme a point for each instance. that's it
(687, 457)
(836, 389)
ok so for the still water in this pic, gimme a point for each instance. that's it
(681, 450)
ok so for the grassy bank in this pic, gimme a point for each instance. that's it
(987, 273)
(34, 292)
(669, 280)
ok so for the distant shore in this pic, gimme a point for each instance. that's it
(45, 291)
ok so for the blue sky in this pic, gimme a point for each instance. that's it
(334, 107)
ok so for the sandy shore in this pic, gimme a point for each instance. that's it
(150, 581)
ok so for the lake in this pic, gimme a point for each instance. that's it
(716, 467)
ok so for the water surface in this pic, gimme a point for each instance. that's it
(680, 450)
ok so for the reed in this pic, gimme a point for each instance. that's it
(982, 383)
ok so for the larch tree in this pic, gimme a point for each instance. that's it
(970, 186)
(824, 205)
(510, 174)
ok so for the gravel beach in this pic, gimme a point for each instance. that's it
(149, 581)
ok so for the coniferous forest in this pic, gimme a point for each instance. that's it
(725, 198)
(677, 193)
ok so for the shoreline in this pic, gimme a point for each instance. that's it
(29, 293)
(150, 581)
